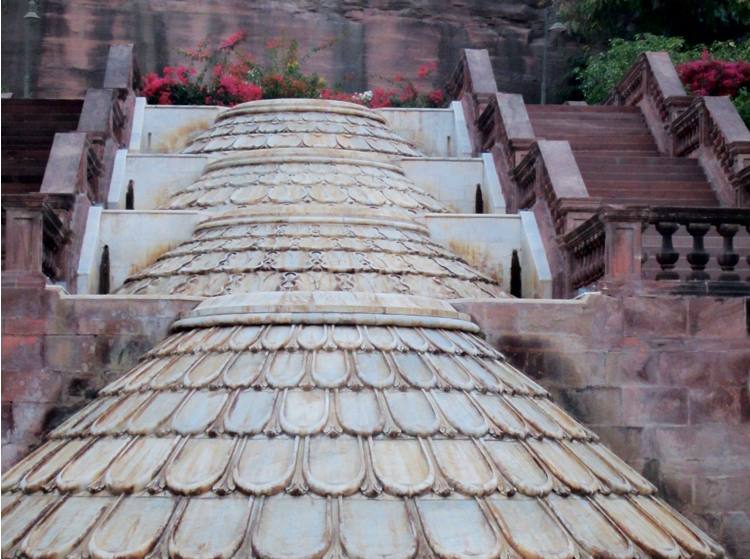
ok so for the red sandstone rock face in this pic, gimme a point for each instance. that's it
(383, 38)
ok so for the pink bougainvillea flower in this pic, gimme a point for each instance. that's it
(238, 38)
(426, 70)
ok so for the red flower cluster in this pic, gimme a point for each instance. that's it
(235, 40)
(426, 70)
(160, 87)
(231, 76)
(714, 77)
(175, 87)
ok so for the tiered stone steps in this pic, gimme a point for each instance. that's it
(618, 157)
(28, 130)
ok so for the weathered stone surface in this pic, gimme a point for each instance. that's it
(666, 315)
(379, 39)
(647, 406)
(682, 367)
(22, 353)
(30, 386)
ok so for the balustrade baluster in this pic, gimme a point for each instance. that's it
(698, 257)
(728, 259)
(667, 256)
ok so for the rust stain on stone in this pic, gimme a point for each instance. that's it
(179, 137)
(478, 257)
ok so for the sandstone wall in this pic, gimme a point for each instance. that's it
(57, 352)
(662, 380)
(68, 47)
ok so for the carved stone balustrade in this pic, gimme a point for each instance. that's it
(607, 245)
(36, 239)
(80, 165)
(709, 128)
(653, 84)
(473, 84)
(548, 182)
(549, 174)
(505, 131)
(712, 130)
(609, 249)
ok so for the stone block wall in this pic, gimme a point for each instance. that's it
(662, 380)
(58, 351)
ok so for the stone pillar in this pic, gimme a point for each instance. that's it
(24, 222)
(623, 247)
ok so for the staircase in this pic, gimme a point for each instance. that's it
(620, 163)
(618, 158)
(28, 129)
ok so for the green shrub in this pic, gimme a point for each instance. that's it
(603, 71)
(742, 102)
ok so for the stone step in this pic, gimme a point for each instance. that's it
(615, 153)
(609, 144)
(584, 128)
(661, 173)
(649, 185)
(620, 159)
(24, 166)
(607, 139)
(21, 187)
(660, 201)
(582, 109)
(10, 106)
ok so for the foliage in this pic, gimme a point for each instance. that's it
(403, 93)
(708, 76)
(230, 75)
(697, 21)
(719, 69)
(742, 102)
(225, 85)
(603, 71)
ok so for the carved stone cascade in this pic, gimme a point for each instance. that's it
(331, 403)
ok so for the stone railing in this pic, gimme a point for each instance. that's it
(548, 183)
(36, 240)
(548, 175)
(653, 84)
(712, 129)
(504, 130)
(77, 176)
(473, 84)
(607, 245)
(607, 249)
(683, 124)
